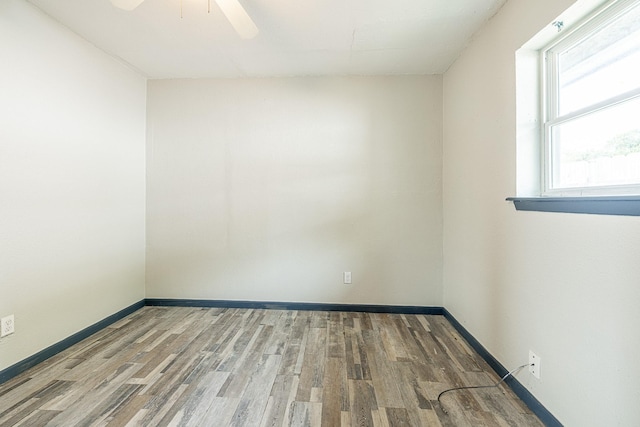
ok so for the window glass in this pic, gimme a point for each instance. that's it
(598, 149)
(592, 99)
(603, 65)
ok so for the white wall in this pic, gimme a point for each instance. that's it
(72, 132)
(566, 286)
(269, 189)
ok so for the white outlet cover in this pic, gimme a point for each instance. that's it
(534, 364)
(347, 277)
(7, 325)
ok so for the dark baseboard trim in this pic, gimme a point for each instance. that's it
(41, 356)
(310, 306)
(534, 404)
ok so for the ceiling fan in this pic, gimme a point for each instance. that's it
(232, 9)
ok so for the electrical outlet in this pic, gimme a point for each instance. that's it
(347, 278)
(7, 326)
(534, 364)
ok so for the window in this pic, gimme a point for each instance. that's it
(591, 91)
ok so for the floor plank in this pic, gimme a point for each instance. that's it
(178, 366)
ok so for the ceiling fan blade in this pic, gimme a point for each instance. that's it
(238, 17)
(126, 4)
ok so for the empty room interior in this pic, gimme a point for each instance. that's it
(252, 212)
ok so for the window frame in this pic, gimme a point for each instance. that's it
(549, 96)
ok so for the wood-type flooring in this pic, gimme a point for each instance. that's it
(177, 366)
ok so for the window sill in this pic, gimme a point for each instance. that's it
(600, 205)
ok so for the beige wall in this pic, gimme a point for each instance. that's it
(72, 130)
(566, 286)
(270, 189)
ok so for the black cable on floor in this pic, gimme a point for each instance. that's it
(507, 375)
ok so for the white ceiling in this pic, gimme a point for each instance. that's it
(296, 38)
